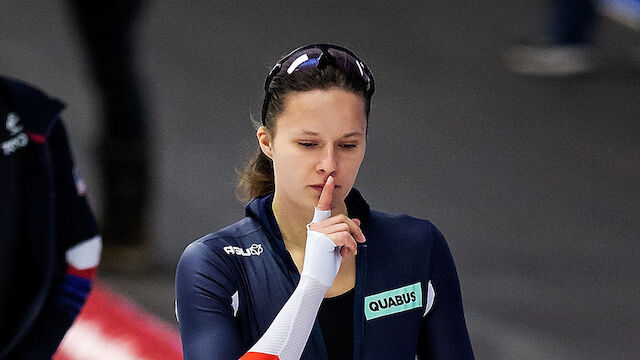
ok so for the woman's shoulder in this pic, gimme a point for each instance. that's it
(408, 229)
(401, 222)
(234, 235)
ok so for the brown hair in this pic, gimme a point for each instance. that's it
(256, 178)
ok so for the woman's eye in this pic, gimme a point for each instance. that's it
(306, 144)
(349, 146)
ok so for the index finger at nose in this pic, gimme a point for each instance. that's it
(326, 196)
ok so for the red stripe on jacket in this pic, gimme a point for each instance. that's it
(89, 273)
(259, 356)
(37, 138)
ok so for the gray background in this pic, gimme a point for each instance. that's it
(534, 182)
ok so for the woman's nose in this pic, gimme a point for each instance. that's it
(327, 163)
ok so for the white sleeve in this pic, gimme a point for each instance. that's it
(287, 335)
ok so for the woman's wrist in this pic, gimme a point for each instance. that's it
(321, 258)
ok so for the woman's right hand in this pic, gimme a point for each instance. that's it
(342, 230)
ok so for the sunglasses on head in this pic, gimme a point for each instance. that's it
(318, 56)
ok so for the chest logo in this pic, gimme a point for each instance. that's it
(393, 301)
(254, 249)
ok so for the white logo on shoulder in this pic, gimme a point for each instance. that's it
(255, 249)
(12, 123)
(19, 138)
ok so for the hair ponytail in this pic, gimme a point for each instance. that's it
(256, 179)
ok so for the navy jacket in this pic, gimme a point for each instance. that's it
(44, 214)
(231, 284)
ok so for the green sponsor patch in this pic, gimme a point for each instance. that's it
(393, 301)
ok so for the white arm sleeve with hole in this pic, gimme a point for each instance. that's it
(287, 335)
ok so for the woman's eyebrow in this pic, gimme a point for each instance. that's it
(353, 133)
(313, 133)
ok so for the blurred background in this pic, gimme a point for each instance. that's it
(535, 181)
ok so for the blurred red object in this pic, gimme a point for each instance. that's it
(112, 327)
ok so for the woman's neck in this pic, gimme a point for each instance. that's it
(292, 219)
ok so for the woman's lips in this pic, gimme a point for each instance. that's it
(318, 188)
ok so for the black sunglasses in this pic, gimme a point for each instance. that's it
(318, 56)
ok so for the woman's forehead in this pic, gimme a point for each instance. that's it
(318, 112)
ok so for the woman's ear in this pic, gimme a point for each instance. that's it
(265, 141)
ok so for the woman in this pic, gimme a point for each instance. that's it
(380, 286)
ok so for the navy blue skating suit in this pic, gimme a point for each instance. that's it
(231, 284)
(49, 242)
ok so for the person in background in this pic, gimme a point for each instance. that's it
(568, 47)
(49, 241)
(107, 29)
